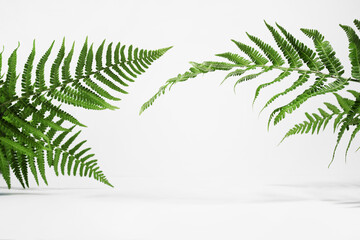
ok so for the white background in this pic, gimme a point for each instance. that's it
(198, 164)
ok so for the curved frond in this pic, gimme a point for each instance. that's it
(325, 52)
(319, 66)
(354, 51)
(276, 80)
(288, 51)
(33, 130)
(254, 55)
(270, 52)
(305, 53)
(300, 81)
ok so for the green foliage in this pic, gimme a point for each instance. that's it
(35, 131)
(323, 70)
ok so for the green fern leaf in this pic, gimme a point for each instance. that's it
(300, 81)
(332, 108)
(276, 80)
(76, 147)
(130, 61)
(65, 70)
(348, 120)
(235, 58)
(249, 77)
(66, 145)
(270, 52)
(40, 68)
(23, 163)
(26, 85)
(20, 123)
(16, 146)
(305, 53)
(313, 124)
(338, 120)
(56, 161)
(353, 134)
(254, 55)
(60, 138)
(108, 83)
(318, 88)
(55, 68)
(357, 24)
(354, 49)
(79, 70)
(98, 56)
(11, 76)
(109, 55)
(64, 159)
(115, 77)
(343, 103)
(99, 90)
(224, 66)
(40, 160)
(31, 123)
(235, 73)
(325, 52)
(32, 166)
(289, 52)
(60, 113)
(5, 168)
(89, 60)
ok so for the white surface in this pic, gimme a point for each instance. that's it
(199, 208)
(199, 164)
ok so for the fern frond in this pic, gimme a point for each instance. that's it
(276, 80)
(16, 146)
(305, 53)
(5, 167)
(40, 160)
(254, 55)
(313, 124)
(236, 73)
(55, 68)
(354, 50)
(11, 76)
(357, 24)
(318, 88)
(325, 52)
(270, 52)
(353, 135)
(288, 51)
(79, 70)
(235, 58)
(349, 120)
(343, 102)
(300, 81)
(31, 124)
(26, 85)
(15, 166)
(65, 70)
(304, 61)
(40, 75)
(73, 161)
(249, 77)
(192, 73)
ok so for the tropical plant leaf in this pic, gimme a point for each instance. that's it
(34, 129)
(318, 66)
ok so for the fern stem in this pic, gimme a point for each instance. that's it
(307, 71)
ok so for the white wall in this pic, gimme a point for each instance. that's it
(199, 130)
